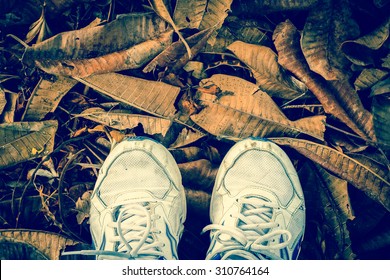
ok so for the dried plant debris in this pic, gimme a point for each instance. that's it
(196, 76)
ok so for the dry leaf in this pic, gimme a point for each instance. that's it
(193, 153)
(189, 13)
(198, 202)
(12, 249)
(25, 140)
(270, 77)
(356, 173)
(72, 46)
(122, 120)
(186, 137)
(328, 205)
(286, 39)
(39, 29)
(381, 87)
(3, 100)
(46, 97)
(160, 8)
(8, 113)
(155, 98)
(174, 52)
(369, 77)
(362, 51)
(132, 58)
(83, 205)
(241, 110)
(50, 244)
(329, 24)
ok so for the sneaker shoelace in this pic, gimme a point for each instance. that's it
(253, 238)
(132, 226)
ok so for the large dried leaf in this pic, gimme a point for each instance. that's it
(347, 168)
(270, 77)
(329, 24)
(286, 39)
(381, 112)
(25, 140)
(241, 110)
(369, 77)
(116, 36)
(362, 51)
(153, 97)
(45, 97)
(160, 8)
(50, 244)
(122, 121)
(199, 174)
(132, 58)
(328, 206)
(3, 100)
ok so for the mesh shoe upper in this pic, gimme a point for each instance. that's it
(257, 208)
(138, 204)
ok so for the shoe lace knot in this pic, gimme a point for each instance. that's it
(256, 233)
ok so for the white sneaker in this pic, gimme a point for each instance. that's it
(138, 205)
(257, 207)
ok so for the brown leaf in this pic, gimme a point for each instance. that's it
(12, 249)
(50, 244)
(25, 140)
(286, 39)
(242, 110)
(356, 173)
(329, 24)
(83, 205)
(328, 205)
(199, 174)
(170, 56)
(369, 77)
(362, 51)
(8, 113)
(270, 77)
(186, 137)
(194, 153)
(46, 97)
(155, 98)
(3, 100)
(123, 120)
(381, 112)
(120, 35)
(198, 202)
(39, 29)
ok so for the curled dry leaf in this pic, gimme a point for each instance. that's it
(170, 56)
(25, 140)
(369, 77)
(50, 244)
(45, 97)
(120, 35)
(241, 110)
(362, 51)
(39, 29)
(121, 120)
(12, 249)
(286, 39)
(199, 174)
(270, 77)
(361, 176)
(198, 202)
(329, 24)
(132, 58)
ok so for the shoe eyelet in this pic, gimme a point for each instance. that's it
(163, 245)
